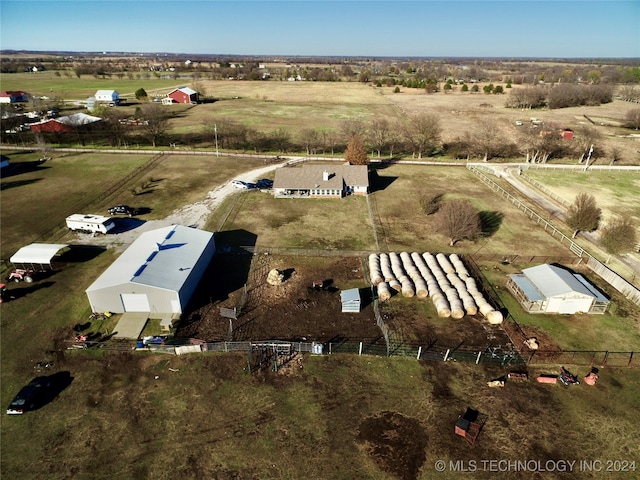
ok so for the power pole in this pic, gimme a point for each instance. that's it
(215, 130)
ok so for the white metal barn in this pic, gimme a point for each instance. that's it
(156, 275)
(551, 289)
(109, 96)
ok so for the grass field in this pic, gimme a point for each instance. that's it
(616, 194)
(136, 415)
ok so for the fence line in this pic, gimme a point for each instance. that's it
(616, 281)
(545, 190)
(432, 352)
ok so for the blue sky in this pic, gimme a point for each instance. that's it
(417, 28)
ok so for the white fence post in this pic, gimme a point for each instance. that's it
(419, 352)
(360, 349)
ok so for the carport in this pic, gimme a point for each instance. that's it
(37, 256)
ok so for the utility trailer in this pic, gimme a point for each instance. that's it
(79, 222)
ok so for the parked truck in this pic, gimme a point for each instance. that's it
(79, 222)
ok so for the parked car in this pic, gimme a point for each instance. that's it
(239, 184)
(29, 397)
(122, 210)
(264, 183)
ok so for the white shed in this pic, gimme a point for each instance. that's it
(552, 289)
(350, 300)
(157, 274)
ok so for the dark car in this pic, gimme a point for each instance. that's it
(30, 397)
(264, 183)
(122, 210)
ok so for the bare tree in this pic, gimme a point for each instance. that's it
(430, 202)
(351, 127)
(585, 137)
(116, 127)
(356, 153)
(632, 118)
(583, 214)
(619, 236)
(156, 122)
(487, 141)
(378, 134)
(458, 220)
(422, 134)
(309, 138)
(281, 139)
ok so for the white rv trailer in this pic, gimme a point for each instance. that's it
(79, 222)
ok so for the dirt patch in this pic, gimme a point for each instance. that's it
(294, 310)
(395, 443)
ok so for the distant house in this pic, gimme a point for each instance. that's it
(552, 289)
(107, 96)
(321, 181)
(183, 95)
(70, 123)
(13, 96)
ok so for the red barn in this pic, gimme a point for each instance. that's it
(183, 95)
(13, 96)
(70, 123)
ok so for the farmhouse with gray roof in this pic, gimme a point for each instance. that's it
(321, 181)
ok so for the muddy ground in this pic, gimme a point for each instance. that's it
(297, 311)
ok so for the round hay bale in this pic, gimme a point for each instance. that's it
(395, 284)
(445, 264)
(384, 293)
(275, 277)
(457, 313)
(421, 289)
(485, 308)
(469, 305)
(495, 317)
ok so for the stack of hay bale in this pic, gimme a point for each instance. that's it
(445, 279)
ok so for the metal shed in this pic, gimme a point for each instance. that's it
(552, 289)
(350, 300)
(157, 274)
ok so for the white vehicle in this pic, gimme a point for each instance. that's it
(79, 222)
(240, 184)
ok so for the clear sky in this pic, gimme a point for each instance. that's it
(417, 28)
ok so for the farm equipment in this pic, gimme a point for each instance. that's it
(21, 275)
(568, 378)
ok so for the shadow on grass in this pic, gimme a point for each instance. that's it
(490, 222)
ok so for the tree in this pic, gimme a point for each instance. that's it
(458, 220)
(141, 94)
(422, 134)
(465, 88)
(378, 134)
(583, 214)
(356, 153)
(633, 118)
(619, 236)
(309, 137)
(156, 122)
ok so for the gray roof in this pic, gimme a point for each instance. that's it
(529, 289)
(160, 258)
(311, 176)
(187, 90)
(552, 281)
(351, 295)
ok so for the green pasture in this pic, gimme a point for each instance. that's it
(617, 193)
(72, 88)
